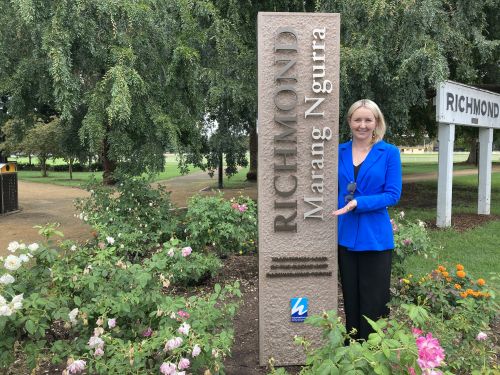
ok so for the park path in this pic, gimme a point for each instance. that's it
(46, 203)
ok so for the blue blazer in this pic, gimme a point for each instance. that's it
(378, 186)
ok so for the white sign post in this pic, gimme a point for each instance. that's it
(458, 104)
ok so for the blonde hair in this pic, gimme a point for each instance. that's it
(379, 132)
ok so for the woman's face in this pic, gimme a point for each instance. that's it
(362, 124)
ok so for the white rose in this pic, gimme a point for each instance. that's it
(13, 246)
(110, 240)
(24, 258)
(17, 302)
(12, 263)
(22, 246)
(33, 247)
(3, 301)
(72, 315)
(5, 310)
(73, 248)
(7, 279)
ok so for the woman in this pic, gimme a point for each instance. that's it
(369, 177)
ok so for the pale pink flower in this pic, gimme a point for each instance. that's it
(407, 242)
(235, 206)
(430, 353)
(395, 227)
(171, 252)
(183, 364)
(196, 351)
(173, 343)
(168, 368)
(184, 329)
(95, 342)
(183, 314)
(76, 367)
(481, 336)
(242, 207)
(111, 323)
(186, 251)
(411, 371)
(98, 352)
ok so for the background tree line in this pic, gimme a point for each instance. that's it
(128, 80)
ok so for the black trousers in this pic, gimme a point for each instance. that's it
(366, 278)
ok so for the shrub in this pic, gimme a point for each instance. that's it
(459, 307)
(222, 225)
(98, 311)
(391, 349)
(135, 216)
(410, 238)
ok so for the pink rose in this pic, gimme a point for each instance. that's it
(183, 314)
(186, 251)
(111, 323)
(183, 364)
(481, 336)
(196, 351)
(242, 207)
(416, 332)
(76, 367)
(184, 329)
(235, 206)
(98, 352)
(430, 353)
(168, 368)
(407, 242)
(411, 371)
(173, 343)
(148, 332)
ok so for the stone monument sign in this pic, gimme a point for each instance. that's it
(298, 88)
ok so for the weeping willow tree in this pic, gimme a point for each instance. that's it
(130, 72)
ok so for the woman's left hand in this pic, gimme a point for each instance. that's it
(348, 207)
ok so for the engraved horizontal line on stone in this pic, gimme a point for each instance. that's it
(299, 259)
(298, 274)
(298, 266)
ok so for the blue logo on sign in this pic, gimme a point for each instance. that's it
(299, 309)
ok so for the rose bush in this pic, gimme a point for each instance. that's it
(136, 216)
(95, 310)
(220, 225)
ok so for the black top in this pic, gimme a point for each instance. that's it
(356, 170)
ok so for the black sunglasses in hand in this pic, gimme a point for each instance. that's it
(351, 188)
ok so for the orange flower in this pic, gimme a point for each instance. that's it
(460, 267)
(463, 295)
(461, 274)
(469, 291)
(448, 279)
(458, 286)
(441, 269)
(446, 274)
(481, 282)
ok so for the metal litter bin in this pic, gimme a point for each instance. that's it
(8, 187)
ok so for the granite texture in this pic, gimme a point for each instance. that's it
(315, 237)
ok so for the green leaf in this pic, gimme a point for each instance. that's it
(30, 327)
(77, 300)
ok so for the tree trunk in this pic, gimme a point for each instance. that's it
(29, 159)
(473, 159)
(108, 165)
(221, 170)
(43, 165)
(70, 168)
(253, 146)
